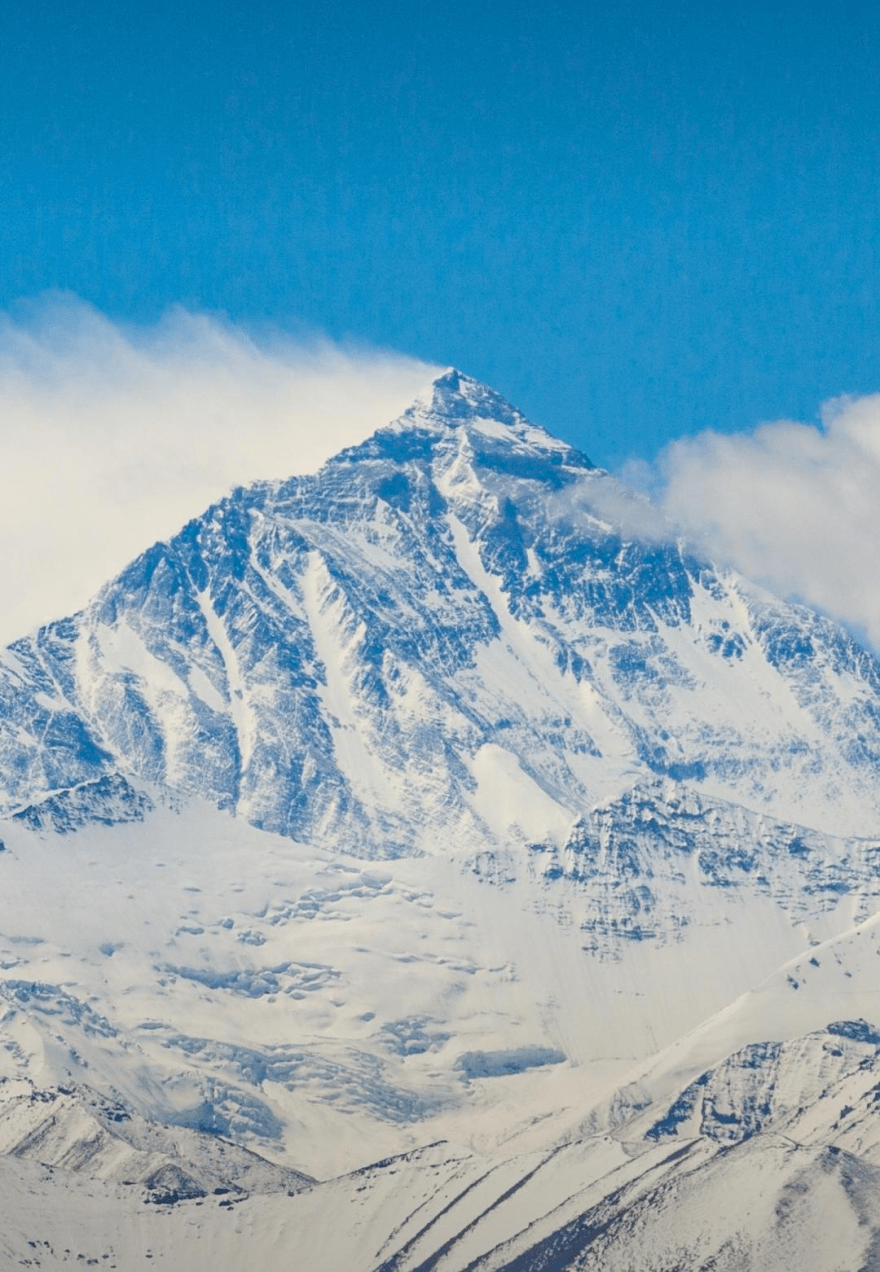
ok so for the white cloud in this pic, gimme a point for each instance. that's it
(795, 506)
(113, 437)
(607, 502)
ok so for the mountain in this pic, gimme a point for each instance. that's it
(443, 795)
(460, 605)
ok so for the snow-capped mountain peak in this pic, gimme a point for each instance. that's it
(455, 401)
(438, 630)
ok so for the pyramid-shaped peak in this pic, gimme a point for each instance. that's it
(454, 400)
(454, 396)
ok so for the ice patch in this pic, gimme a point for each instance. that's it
(502, 1064)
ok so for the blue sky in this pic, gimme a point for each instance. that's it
(637, 221)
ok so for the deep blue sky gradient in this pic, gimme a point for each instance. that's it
(635, 220)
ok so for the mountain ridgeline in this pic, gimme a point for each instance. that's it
(373, 655)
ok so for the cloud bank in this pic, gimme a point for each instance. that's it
(113, 437)
(794, 506)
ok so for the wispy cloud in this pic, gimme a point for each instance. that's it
(792, 505)
(114, 436)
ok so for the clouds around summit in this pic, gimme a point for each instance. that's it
(791, 505)
(114, 436)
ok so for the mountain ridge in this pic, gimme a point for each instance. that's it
(387, 574)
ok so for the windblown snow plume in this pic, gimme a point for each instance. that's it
(113, 435)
